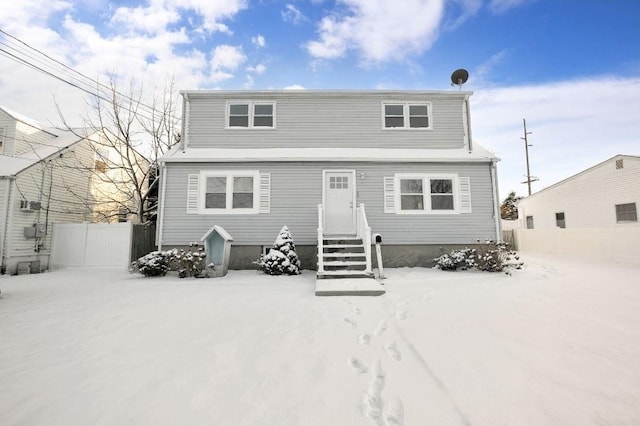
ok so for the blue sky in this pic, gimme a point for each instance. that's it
(570, 67)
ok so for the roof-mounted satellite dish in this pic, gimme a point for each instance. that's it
(459, 77)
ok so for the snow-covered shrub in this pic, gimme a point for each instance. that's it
(190, 263)
(153, 264)
(495, 256)
(491, 257)
(282, 258)
(456, 259)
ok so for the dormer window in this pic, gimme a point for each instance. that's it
(406, 115)
(251, 114)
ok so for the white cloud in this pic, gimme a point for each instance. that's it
(574, 125)
(151, 19)
(258, 69)
(227, 57)
(292, 14)
(258, 41)
(294, 87)
(212, 12)
(378, 30)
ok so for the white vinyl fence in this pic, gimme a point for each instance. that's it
(91, 244)
(613, 244)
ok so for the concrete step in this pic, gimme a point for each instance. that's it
(349, 287)
(345, 263)
(340, 246)
(343, 274)
(343, 254)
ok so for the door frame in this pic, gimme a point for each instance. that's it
(353, 196)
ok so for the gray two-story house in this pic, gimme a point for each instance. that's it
(335, 166)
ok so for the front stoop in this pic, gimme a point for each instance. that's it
(345, 269)
(349, 287)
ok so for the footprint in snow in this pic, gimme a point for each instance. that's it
(357, 366)
(372, 401)
(393, 352)
(350, 322)
(395, 415)
(364, 339)
(356, 310)
(382, 326)
(402, 314)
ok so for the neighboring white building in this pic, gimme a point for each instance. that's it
(49, 176)
(607, 194)
(591, 216)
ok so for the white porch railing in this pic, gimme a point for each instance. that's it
(320, 240)
(364, 232)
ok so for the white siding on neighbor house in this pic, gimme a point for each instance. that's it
(60, 201)
(312, 120)
(18, 135)
(8, 125)
(296, 190)
(587, 199)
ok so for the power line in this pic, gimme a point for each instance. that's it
(97, 88)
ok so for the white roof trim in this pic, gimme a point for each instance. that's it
(215, 155)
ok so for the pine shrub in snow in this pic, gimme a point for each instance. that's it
(491, 257)
(282, 258)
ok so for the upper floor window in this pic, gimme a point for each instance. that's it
(250, 114)
(1, 139)
(406, 115)
(626, 212)
(560, 222)
(101, 160)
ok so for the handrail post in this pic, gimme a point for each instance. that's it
(320, 241)
(364, 232)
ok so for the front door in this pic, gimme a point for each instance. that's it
(339, 202)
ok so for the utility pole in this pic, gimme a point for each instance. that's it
(526, 150)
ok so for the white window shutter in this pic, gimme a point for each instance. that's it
(265, 193)
(193, 192)
(389, 195)
(465, 195)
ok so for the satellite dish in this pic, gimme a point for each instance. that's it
(459, 77)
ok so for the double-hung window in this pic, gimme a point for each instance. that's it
(406, 115)
(230, 192)
(427, 194)
(251, 114)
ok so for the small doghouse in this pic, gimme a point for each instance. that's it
(217, 247)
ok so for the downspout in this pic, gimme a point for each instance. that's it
(163, 187)
(185, 121)
(468, 116)
(8, 216)
(496, 202)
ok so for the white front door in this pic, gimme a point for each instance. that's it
(339, 202)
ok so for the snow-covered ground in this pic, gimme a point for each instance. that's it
(555, 344)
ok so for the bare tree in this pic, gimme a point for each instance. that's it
(128, 137)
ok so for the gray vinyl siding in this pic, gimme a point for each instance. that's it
(296, 190)
(309, 120)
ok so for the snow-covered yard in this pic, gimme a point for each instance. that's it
(555, 344)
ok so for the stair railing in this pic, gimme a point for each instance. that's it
(364, 233)
(320, 240)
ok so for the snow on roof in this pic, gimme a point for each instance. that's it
(479, 154)
(11, 165)
(24, 119)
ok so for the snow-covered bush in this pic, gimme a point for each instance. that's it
(154, 264)
(491, 257)
(282, 258)
(456, 259)
(189, 263)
